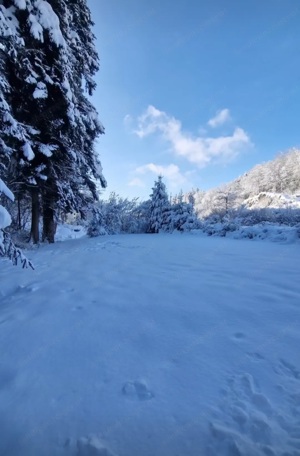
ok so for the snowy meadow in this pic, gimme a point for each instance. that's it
(147, 344)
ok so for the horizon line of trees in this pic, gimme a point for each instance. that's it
(160, 213)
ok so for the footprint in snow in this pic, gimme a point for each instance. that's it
(241, 425)
(92, 446)
(137, 390)
(88, 446)
(29, 288)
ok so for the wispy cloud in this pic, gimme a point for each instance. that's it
(200, 150)
(220, 118)
(171, 172)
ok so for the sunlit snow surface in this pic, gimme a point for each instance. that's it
(165, 345)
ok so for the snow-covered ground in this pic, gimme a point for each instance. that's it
(143, 345)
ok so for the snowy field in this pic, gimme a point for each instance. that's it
(151, 345)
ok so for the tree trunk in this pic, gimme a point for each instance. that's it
(49, 225)
(19, 212)
(35, 215)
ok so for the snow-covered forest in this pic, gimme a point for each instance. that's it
(157, 327)
(272, 189)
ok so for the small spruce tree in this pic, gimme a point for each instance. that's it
(159, 207)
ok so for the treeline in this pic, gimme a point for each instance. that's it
(268, 192)
(158, 214)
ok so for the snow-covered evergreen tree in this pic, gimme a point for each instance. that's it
(183, 217)
(48, 123)
(160, 207)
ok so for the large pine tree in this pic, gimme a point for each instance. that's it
(48, 63)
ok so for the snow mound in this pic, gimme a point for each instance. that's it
(66, 231)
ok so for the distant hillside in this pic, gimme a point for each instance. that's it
(274, 184)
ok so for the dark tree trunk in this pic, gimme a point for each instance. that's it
(19, 212)
(35, 215)
(49, 224)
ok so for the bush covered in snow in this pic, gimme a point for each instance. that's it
(7, 247)
(5, 218)
(182, 217)
(97, 224)
(263, 230)
(119, 215)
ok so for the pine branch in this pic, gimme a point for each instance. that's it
(15, 254)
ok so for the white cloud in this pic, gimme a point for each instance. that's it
(220, 118)
(200, 150)
(170, 172)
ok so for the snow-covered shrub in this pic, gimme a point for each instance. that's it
(262, 231)
(119, 215)
(182, 217)
(5, 218)
(139, 219)
(96, 226)
(112, 214)
(7, 247)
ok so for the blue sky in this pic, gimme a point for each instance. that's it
(198, 91)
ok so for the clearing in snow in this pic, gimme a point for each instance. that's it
(142, 345)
